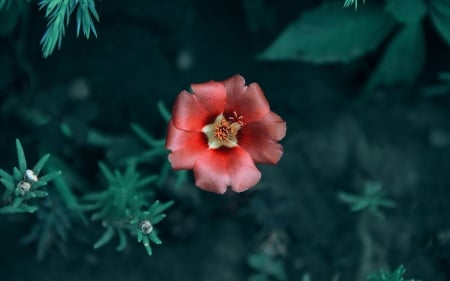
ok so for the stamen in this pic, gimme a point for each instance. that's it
(223, 132)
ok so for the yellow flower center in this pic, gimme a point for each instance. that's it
(223, 132)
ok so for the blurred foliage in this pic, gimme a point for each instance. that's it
(52, 227)
(371, 199)
(329, 34)
(384, 275)
(440, 16)
(267, 268)
(156, 149)
(123, 207)
(443, 88)
(24, 184)
(4, 3)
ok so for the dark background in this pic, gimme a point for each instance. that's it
(148, 51)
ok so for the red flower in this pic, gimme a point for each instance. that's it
(221, 130)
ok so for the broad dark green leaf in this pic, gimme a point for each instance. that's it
(440, 16)
(403, 59)
(407, 11)
(330, 33)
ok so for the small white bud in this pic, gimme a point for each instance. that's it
(146, 226)
(23, 187)
(30, 176)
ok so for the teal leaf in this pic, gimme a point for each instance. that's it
(49, 177)
(40, 164)
(403, 60)
(330, 33)
(165, 113)
(21, 157)
(407, 11)
(106, 237)
(267, 265)
(440, 16)
(122, 240)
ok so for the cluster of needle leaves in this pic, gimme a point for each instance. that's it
(384, 275)
(24, 184)
(58, 13)
(123, 207)
(372, 199)
(349, 3)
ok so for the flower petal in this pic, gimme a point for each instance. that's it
(186, 147)
(192, 112)
(211, 95)
(260, 138)
(218, 168)
(247, 101)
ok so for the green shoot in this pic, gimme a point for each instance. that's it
(372, 199)
(123, 207)
(383, 275)
(58, 13)
(24, 184)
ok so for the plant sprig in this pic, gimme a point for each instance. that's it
(123, 207)
(58, 13)
(371, 199)
(24, 184)
(349, 3)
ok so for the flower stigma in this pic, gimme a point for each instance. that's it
(223, 131)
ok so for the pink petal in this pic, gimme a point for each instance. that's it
(218, 168)
(247, 101)
(186, 147)
(260, 138)
(192, 112)
(211, 95)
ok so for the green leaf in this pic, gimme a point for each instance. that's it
(407, 11)
(268, 265)
(40, 164)
(329, 33)
(403, 60)
(5, 175)
(9, 16)
(107, 173)
(165, 113)
(156, 219)
(49, 177)
(85, 9)
(18, 209)
(4, 4)
(440, 16)
(8, 184)
(21, 157)
(122, 240)
(146, 137)
(106, 237)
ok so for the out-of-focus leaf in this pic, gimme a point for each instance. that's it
(440, 16)
(330, 33)
(403, 60)
(443, 88)
(266, 264)
(407, 11)
(9, 16)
